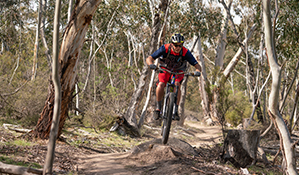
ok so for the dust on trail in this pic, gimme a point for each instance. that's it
(125, 163)
(206, 135)
(103, 164)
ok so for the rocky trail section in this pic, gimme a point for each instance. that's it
(151, 157)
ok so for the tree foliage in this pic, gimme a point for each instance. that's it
(121, 30)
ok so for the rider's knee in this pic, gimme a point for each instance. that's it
(161, 85)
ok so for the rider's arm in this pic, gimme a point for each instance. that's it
(197, 67)
(149, 60)
(155, 55)
(160, 52)
(190, 58)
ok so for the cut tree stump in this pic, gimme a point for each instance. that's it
(240, 147)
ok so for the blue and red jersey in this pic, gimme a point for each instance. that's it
(174, 61)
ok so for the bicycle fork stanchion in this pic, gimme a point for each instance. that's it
(165, 105)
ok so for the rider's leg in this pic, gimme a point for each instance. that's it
(159, 95)
(159, 98)
(160, 91)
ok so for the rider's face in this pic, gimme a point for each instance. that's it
(177, 47)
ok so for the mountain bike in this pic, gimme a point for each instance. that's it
(170, 99)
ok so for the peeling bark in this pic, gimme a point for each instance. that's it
(72, 43)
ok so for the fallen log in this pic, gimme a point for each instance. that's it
(15, 128)
(18, 170)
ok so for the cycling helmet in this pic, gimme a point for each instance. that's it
(177, 38)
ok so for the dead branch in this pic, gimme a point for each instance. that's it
(276, 155)
(259, 95)
(267, 130)
(14, 169)
(15, 128)
(202, 171)
(263, 155)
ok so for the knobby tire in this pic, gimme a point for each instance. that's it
(168, 118)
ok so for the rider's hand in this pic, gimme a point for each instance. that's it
(152, 66)
(196, 73)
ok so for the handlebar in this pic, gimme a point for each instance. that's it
(176, 73)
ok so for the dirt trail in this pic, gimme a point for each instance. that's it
(121, 164)
(104, 164)
(205, 134)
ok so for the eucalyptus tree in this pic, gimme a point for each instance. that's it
(68, 58)
(155, 27)
(14, 32)
(223, 57)
(112, 23)
(36, 44)
(10, 16)
(57, 96)
(287, 148)
(43, 33)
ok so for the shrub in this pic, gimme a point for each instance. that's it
(240, 108)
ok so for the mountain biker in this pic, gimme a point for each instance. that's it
(174, 58)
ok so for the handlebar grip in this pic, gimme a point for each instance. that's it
(189, 74)
(192, 74)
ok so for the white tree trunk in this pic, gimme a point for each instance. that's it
(42, 30)
(230, 67)
(203, 78)
(90, 57)
(18, 59)
(70, 9)
(220, 50)
(72, 42)
(57, 103)
(148, 97)
(130, 62)
(108, 67)
(288, 149)
(15, 70)
(36, 45)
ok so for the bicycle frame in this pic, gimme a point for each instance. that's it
(170, 96)
(170, 88)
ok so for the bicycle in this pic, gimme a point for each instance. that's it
(170, 99)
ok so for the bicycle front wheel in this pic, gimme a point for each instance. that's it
(168, 117)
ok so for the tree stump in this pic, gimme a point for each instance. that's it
(240, 147)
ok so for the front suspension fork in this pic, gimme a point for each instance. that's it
(167, 96)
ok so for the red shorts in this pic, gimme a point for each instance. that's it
(165, 76)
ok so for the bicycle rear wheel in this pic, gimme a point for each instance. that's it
(168, 118)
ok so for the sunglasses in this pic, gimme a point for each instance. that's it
(177, 45)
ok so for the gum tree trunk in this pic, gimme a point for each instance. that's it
(289, 159)
(138, 94)
(68, 58)
(56, 81)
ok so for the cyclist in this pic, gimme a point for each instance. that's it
(174, 58)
